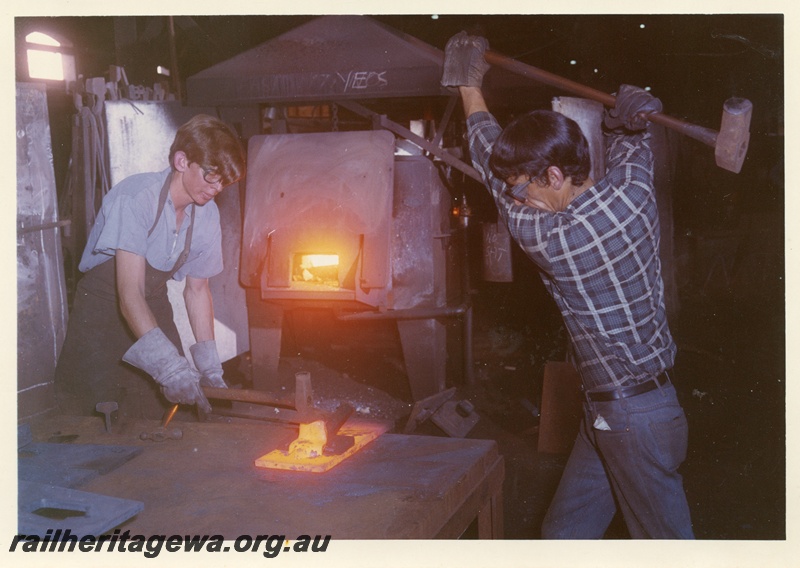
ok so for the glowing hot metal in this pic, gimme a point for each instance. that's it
(314, 451)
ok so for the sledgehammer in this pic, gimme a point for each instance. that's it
(730, 143)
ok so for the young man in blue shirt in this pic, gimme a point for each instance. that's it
(151, 228)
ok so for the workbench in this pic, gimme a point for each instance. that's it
(397, 487)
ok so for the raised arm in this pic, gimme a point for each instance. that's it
(473, 101)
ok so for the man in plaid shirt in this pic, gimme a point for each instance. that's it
(596, 244)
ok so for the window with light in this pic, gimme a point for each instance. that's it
(49, 58)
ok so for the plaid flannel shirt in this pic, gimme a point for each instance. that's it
(598, 259)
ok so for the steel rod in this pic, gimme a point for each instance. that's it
(407, 314)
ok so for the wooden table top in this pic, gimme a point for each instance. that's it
(397, 487)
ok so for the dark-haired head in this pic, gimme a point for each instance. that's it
(533, 142)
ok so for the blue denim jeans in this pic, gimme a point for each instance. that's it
(626, 461)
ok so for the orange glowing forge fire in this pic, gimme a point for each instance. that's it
(320, 269)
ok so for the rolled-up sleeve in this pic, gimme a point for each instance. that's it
(126, 224)
(123, 221)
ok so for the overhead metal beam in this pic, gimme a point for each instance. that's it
(384, 122)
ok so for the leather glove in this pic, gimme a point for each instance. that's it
(156, 355)
(464, 64)
(633, 104)
(206, 359)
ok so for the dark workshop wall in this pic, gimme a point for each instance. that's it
(728, 227)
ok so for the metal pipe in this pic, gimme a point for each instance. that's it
(469, 375)
(173, 53)
(463, 310)
(44, 227)
(466, 285)
(410, 314)
(381, 121)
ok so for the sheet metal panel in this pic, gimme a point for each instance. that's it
(41, 290)
(329, 58)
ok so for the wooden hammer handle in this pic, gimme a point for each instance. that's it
(247, 395)
(704, 135)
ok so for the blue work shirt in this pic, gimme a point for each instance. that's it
(126, 216)
(598, 259)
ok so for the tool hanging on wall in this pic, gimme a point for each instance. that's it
(730, 143)
(88, 178)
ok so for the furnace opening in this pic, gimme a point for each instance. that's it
(315, 270)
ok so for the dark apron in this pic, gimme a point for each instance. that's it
(90, 368)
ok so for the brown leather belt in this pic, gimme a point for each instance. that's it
(628, 392)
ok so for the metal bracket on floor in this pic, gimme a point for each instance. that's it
(455, 417)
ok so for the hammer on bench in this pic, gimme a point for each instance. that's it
(730, 143)
(300, 411)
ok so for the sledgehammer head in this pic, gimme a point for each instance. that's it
(734, 134)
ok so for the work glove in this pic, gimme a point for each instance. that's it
(156, 355)
(632, 106)
(206, 359)
(464, 63)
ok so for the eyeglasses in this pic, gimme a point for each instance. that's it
(519, 191)
(210, 176)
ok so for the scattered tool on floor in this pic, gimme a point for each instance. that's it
(455, 417)
(107, 408)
